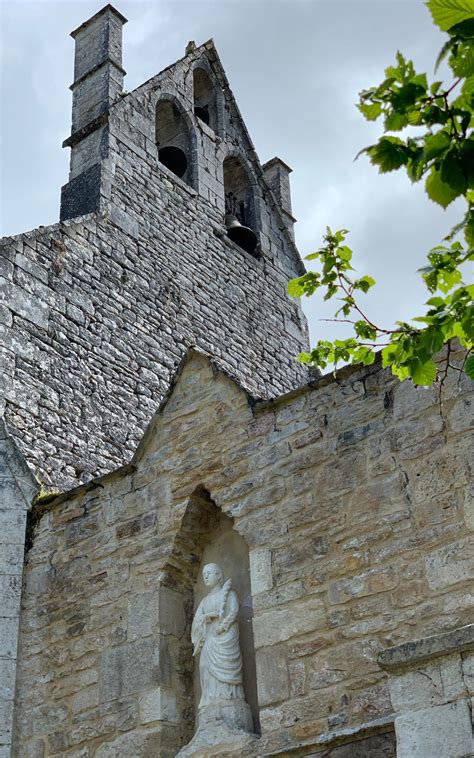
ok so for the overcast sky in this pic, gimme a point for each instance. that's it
(295, 67)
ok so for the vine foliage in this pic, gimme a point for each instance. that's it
(442, 155)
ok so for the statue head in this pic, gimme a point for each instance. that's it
(212, 574)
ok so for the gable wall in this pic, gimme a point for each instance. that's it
(140, 176)
(353, 499)
(99, 310)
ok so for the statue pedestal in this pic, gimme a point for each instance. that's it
(224, 728)
(235, 714)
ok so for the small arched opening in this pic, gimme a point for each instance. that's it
(240, 208)
(173, 139)
(205, 100)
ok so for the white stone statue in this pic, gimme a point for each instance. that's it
(223, 714)
(215, 636)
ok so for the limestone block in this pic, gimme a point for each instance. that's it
(11, 558)
(261, 570)
(129, 668)
(137, 744)
(8, 637)
(12, 518)
(10, 592)
(433, 683)
(142, 614)
(443, 730)
(367, 583)
(158, 705)
(272, 675)
(450, 564)
(32, 309)
(468, 671)
(172, 617)
(6, 715)
(278, 625)
(469, 506)
(85, 699)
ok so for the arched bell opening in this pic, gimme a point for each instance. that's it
(206, 535)
(240, 215)
(173, 140)
(205, 101)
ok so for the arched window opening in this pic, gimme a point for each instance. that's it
(240, 217)
(172, 139)
(205, 107)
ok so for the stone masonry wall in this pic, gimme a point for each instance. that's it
(17, 488)
(98, 311)
(353, 498)
(95, 321)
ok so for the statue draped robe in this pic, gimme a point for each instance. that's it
(220, 664)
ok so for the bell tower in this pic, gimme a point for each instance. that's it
(172, 235)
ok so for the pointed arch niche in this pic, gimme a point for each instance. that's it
(206, 536)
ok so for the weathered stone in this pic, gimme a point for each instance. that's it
(158, 705)
(444, 730)
(432, 684)
(281, 624)
(272, 675)
(129, 668)
(450, 564)
(416, 651)
(171, 612)
(261, 570)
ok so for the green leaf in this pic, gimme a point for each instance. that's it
(442, 54)
(462, 62)
(394, 122)
(364, 283)
(435, 87)
(388, 154)
(436, 144)
(402, 372)
(363, 355)
(420, 80)
(423, 373)
(469, 231)
(415, 117)
(464, 30)
(451, 172)
(407, 96)
(295, 289)
(371, 111)
(439, 191)
(365, 330)
(433, 340)
(447, 13)
(469, 367)
(345, 253)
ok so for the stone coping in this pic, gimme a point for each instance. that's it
(337, 737)
(103, 10)
(412, 653)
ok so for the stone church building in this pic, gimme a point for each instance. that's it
(155, 420)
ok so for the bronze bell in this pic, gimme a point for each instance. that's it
(202, 113)
(243, 236)
(174, 159)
